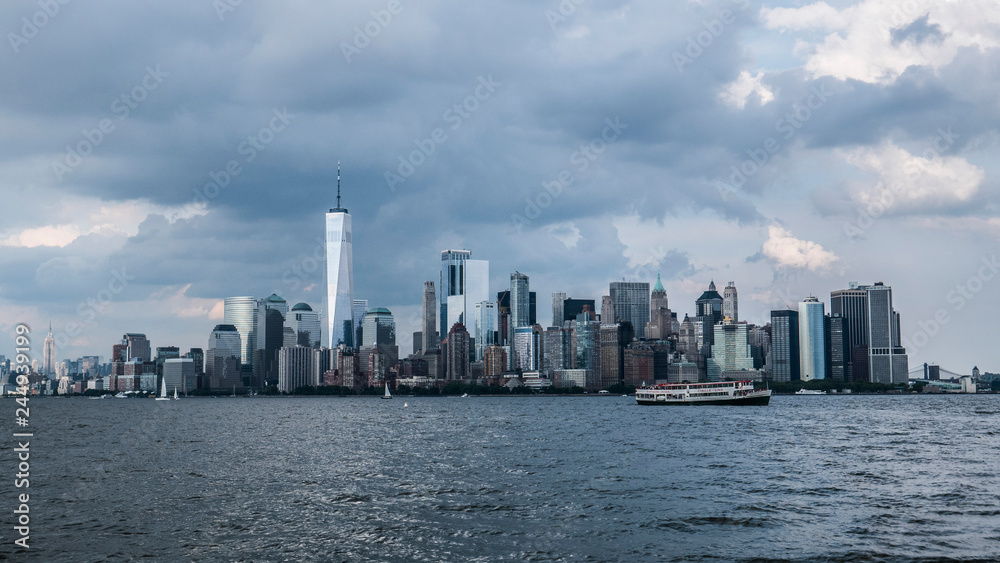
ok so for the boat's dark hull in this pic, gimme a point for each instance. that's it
(759, 401)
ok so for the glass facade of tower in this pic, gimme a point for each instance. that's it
(485, 327)
(519, 300)
(631, 303)
(241, 312)
(305, 324)
(812, 340)
(452, 281)
(784, 345)
(339, 278)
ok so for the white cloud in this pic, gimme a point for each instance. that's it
(907, 181)
(790, 252)
(49, 235)
(737, 92)
(95, 216)
(868, 43)
(820, 15)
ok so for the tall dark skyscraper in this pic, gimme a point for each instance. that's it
(430, 339)
(558, 298)
(784, 345)
(838, 347)
(631, 303)
(873, 328)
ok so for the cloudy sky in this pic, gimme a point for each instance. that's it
(159, 157)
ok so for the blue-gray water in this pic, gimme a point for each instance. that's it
(810, 478)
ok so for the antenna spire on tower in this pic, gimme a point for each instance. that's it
(338, 184)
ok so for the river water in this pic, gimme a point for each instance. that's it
(808, 478)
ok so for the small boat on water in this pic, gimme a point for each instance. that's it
(809, 392)
(175, 394)
(714, 393)
(163, 392)
(387, 395)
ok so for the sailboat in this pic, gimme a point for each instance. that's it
(387, 395)
(175, 393)
(163, 391)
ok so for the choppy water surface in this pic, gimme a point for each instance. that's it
(808, 478)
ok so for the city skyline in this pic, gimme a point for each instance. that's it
(167, 214)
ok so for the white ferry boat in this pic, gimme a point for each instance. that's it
(716, 393)
(809, 392)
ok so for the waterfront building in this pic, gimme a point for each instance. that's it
(730, 350)
(241, 312)
(179, 374)
(877, 354)
(359, 308)
(583, 378)
(784, 345)
(339, 275)
(838, 350)
(305, 325)
(222, 359)
(812, 340)
(295, 368)
(614, 339)
(494, 361)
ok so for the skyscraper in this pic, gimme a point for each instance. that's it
(877, 354)
(558, 298)
(812, 341)
(137, 346)
(305, 325)
(452, 281)
(271, 313)
(359, 308)
(631, 303)
(730, 350)
(614, 338)
(730, 305)
(484, 327)
(784, 345)
(241, 312)
(519, 300)
(222, 358)
(49, 354)
(458, 353)
(339, 274)
(660, 324)
(429, 326)
(838, 349)
(607, 310)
